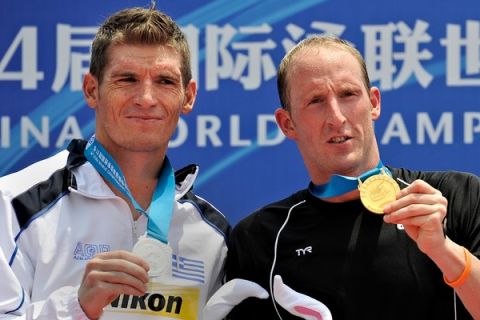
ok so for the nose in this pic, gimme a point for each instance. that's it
(145, 96)
(335, 116)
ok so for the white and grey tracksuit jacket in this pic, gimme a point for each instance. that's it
(58, 213)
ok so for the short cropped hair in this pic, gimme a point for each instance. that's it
(139, 26)
(310, 42)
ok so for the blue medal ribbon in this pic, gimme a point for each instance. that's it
(161, 208)
(339, 184)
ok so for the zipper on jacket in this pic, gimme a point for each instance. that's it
(134, 232)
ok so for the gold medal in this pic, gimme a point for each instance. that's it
(378, 191)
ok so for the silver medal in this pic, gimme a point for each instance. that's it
(157, 254)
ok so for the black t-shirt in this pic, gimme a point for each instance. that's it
(349, 259)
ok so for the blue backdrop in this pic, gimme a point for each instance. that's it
(424, 56)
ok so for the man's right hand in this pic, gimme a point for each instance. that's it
(107, 276)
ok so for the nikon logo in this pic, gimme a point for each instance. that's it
(149, 302)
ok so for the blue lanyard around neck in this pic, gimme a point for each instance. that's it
(339, 184)
(161, 208)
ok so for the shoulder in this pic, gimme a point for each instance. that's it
(43, 170)
(445, 181)
(269, 217)
(35, 188)
(184, 179)
(20, 181)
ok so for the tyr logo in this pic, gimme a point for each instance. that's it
(302, 252)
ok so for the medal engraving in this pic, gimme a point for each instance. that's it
(157, 254)
(378, 191)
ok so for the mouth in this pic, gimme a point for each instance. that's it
(144, 118)
(339, 139)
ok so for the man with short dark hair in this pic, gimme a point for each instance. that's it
(69, 223)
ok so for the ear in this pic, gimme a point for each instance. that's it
(375, 100)
(285, 123)
(190, 95)
(90, 90)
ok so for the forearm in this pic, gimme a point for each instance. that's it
(453, 263)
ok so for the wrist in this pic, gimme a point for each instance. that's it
(459, 281)
(77, 311)
(86, 313)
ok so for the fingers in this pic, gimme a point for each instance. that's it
(120, 262)
(416, 200)
(107, 276)
(123, 255)
(110, 279)
(117, 267)
(416, 213)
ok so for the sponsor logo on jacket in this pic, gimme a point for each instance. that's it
(161, 302)
(86, 251)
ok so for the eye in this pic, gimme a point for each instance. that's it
(167, 81)
(127, 79)
(348, 93)
(316, 100)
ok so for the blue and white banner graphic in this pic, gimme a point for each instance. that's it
(423, 55)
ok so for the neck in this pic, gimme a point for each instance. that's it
(349, 196)
(343, 188)
(141, 171)
(142, 177)
(130, 174)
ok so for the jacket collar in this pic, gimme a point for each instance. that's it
(87, 180)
